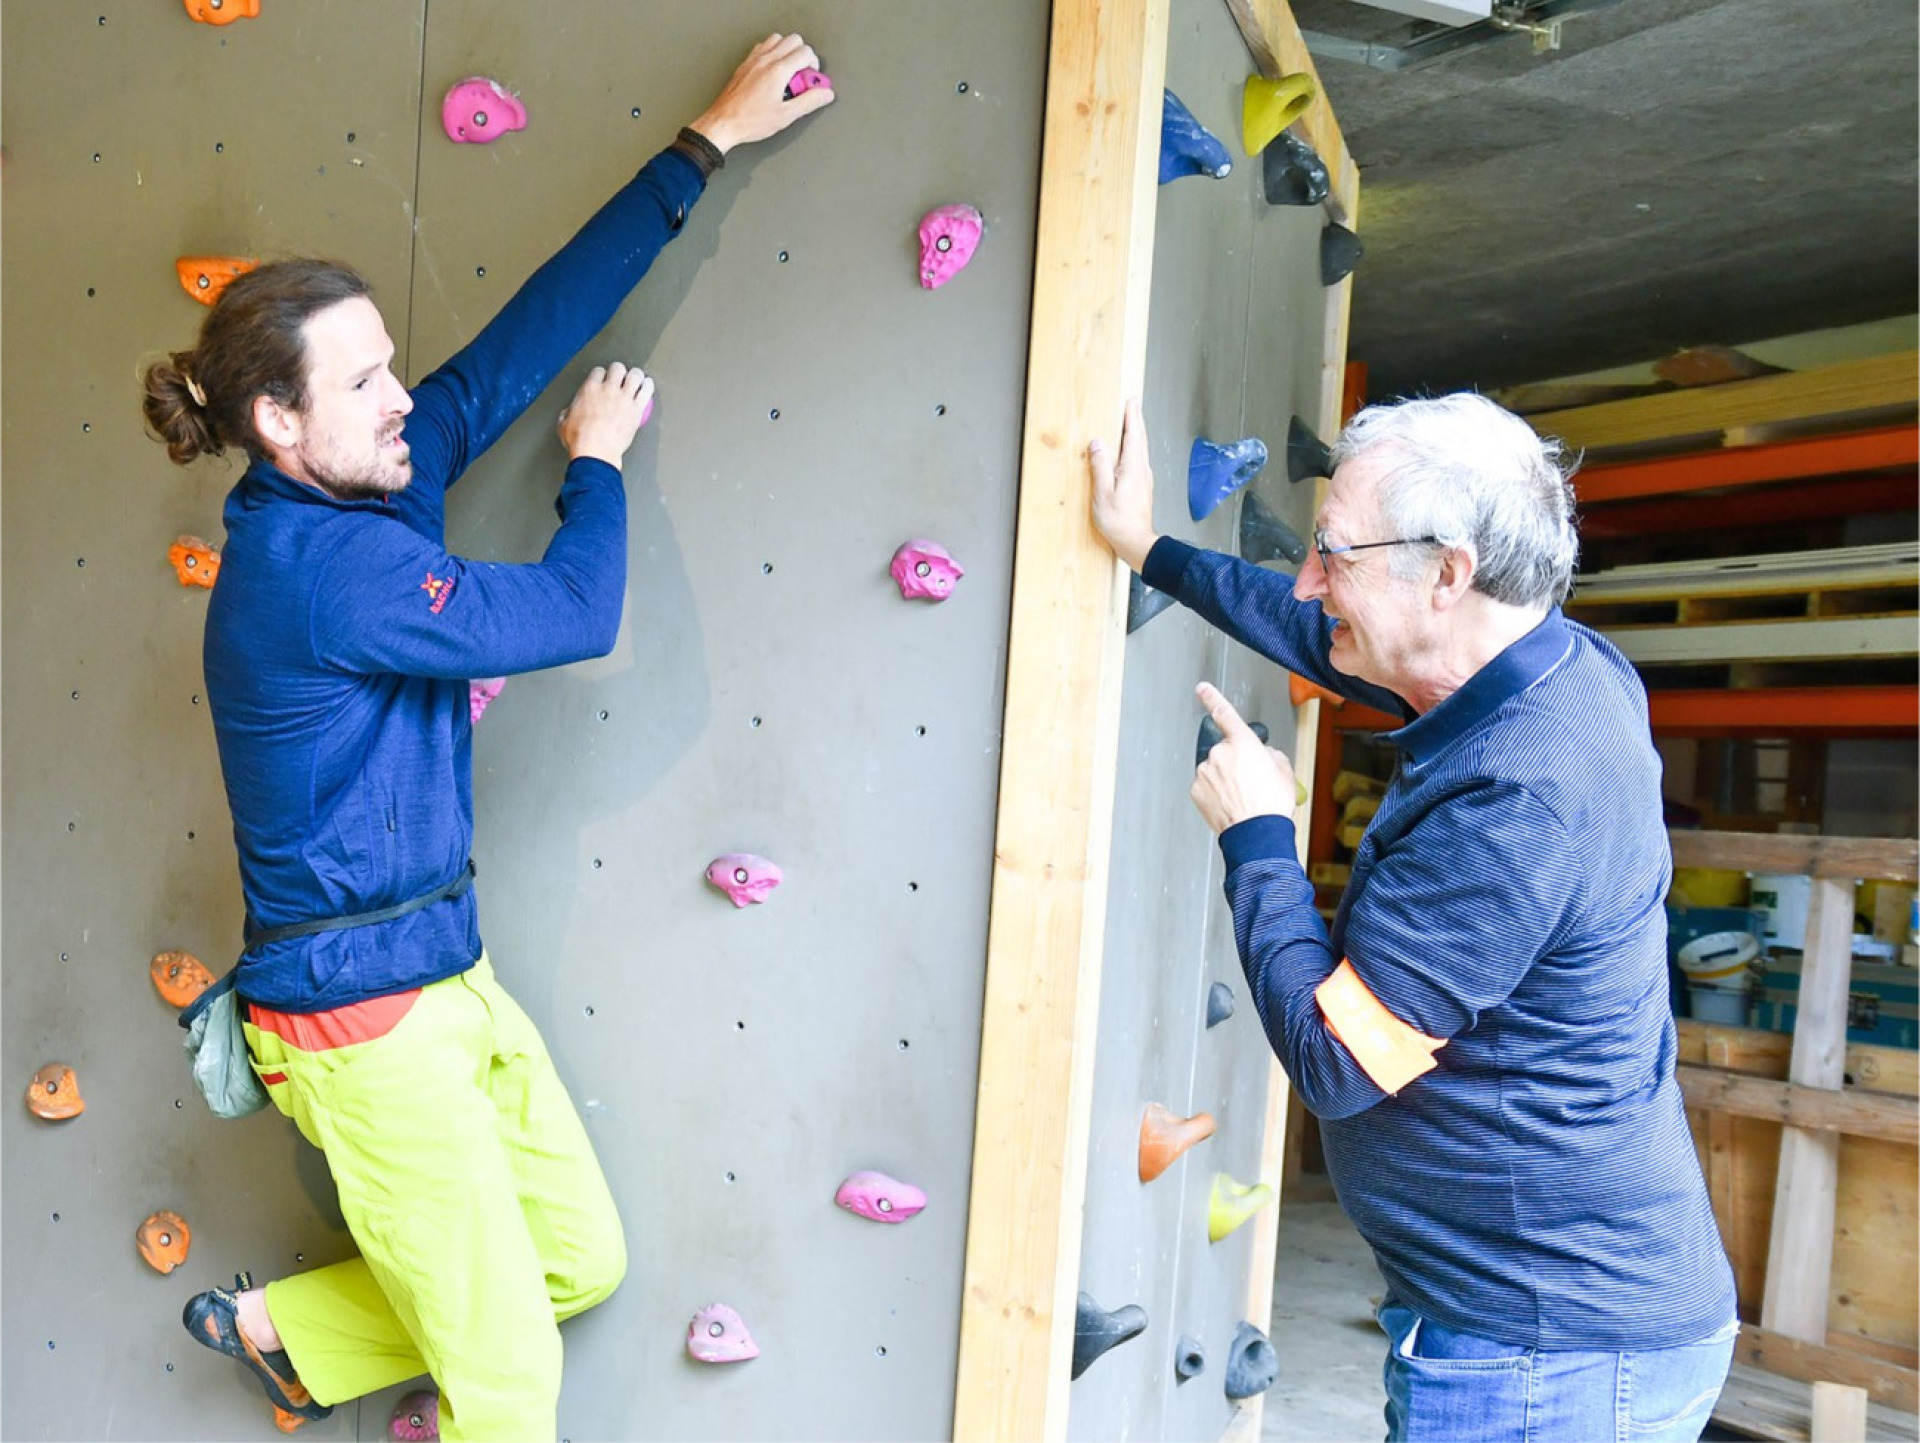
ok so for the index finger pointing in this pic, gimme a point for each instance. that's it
(1221, 710)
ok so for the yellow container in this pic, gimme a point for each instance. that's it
(1708, 887)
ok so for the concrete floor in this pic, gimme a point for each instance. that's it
(1330, 1348)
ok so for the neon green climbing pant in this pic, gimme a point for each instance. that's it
(481, 1214)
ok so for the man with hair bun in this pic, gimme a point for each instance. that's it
(341, 641)
(1483, 1031)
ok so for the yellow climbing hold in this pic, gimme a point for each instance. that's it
(1268, 107)
(1231, 1205)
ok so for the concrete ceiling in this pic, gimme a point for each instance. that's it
(1679, 173)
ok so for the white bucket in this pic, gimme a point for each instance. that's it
(1719, 961)
(1712, 1004)
(1784, 898)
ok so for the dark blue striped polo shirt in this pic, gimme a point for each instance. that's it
(1540, 1186)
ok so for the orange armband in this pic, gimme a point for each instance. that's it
(1387, 1049)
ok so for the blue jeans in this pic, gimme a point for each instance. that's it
(1449, 1387)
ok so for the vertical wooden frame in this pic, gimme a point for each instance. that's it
(1093, 267)
(1276, 48)
(1092, 279)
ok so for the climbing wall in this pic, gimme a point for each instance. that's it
(771, 691)
(1233, 352)
(134, 136)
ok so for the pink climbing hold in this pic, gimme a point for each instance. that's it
(949, 235)
(478, 110)
(808, 79)
(925, 570)
(416, 1418)
(717, 1334)
(881, 1198)
(480, 694)
(745, 878)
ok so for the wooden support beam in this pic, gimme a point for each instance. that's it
(1876, 383)
(1884, 1382)
(1839, 1414)
(1849, 1111)
(1277, 48)
(1093, 264)
(1894, 858)
(1800, 1249)
(1764, 1405)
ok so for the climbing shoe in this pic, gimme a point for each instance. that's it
(213, 1318)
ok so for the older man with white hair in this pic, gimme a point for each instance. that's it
(1483, 1030)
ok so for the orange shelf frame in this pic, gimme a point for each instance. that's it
(1883, 449)
(1787, 711)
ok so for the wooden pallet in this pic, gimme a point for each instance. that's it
(1815, 1113)
(1859, 601)
(1766, 1405)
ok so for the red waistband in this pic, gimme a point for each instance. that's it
(340, 1027)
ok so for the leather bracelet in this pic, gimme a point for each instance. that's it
(701, 151)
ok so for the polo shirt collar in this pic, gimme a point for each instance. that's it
(1522, 664)
(264, 480)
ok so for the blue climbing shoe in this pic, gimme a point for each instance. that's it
(213, 1318)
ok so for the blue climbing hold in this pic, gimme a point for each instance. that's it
(1189, 1358)
(1186, 146)
(1215, 472)
(1219, 1004)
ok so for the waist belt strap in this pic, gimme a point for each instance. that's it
(262, 936)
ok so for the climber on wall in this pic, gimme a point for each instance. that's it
(340, 643)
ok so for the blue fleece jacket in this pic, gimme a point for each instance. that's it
(1539, 1186)
(342, 634)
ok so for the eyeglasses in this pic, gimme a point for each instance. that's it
(1327, 551)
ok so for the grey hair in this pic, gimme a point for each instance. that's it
(1477, 478)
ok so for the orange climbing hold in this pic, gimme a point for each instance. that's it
(1300, 691)
(164, 1239)
(204, 277)
(283, 1420)
(1164, 1135)
(54, 1093)
(221, 12)
(179, 977)
(194, 562)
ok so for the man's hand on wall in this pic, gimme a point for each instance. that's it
(753, 105)
(606, 413)
(1242, 777)
(1123, 493)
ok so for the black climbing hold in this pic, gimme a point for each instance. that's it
(1189, 1358)
(1307, 454)
(1219, 1004)
(1252, 1365)
(1211, 737)
(1264, 536)
(1095, 1330)
(1340, 252)
(1292, 173)
(1143, 604)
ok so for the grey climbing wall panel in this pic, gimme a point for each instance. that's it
(770, 690)
(1234, 348)
(134, 136)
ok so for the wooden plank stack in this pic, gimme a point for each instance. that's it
(1830, 1314)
